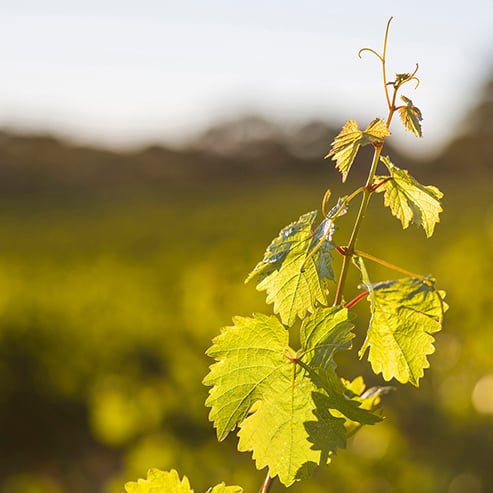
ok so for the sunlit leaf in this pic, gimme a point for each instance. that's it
(405, 314)
(160, 482)
(409, 201)
(222, 488)
(344, 400)
(169, 482)
(376, 132)
(281, 399)
(368, 399)
(346, 145)
(411, 117)
(294, 279)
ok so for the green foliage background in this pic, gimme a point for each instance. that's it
(110, 299)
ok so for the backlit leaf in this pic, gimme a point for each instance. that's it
(368, 399)
(405, 314)
(376, 132)
(409, 201)
(294, 280)
(279, 398)
(169, 482)
(411, 117)
(222, 488)
(346, 145)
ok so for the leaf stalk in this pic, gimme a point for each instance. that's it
(356, 300)
(266, 484)
(388, 264)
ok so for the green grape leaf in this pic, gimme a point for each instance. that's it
(409, 201)
(346, 145)
(343, 400)
(313, 337)
(169, 482)
(411, 117)
(405, 314)
(222, 488)
(376, 132)
(368, 399)
(285, 410)
(295, 279)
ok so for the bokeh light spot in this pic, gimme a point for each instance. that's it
(482, 395)
(465, 483)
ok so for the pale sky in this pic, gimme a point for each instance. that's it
(128, 73)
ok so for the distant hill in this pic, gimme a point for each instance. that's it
(471, 152)
(244, 149)
(247, 148)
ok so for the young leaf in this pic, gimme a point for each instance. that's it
(222, 488)
(321, 349)
(411, 117)
(405, 313)
(344, 401)
(346, 145)
(376, 132)
(369, 399)
(409, 201)
(274, 394)
(169, 482)
(293, 279)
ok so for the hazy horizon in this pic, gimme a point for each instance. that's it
(117, 74)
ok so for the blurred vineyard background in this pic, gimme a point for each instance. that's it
(117, 270)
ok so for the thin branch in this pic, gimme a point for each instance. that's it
(326, 198)
(356, 299)
(375, 187)
(384, 61)
(266, 484)
(349, 250)
(388, 265)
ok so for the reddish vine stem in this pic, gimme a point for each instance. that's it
(346, 252)
(356, 299)
(375, 187)
(388, 264)
(266, 484)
